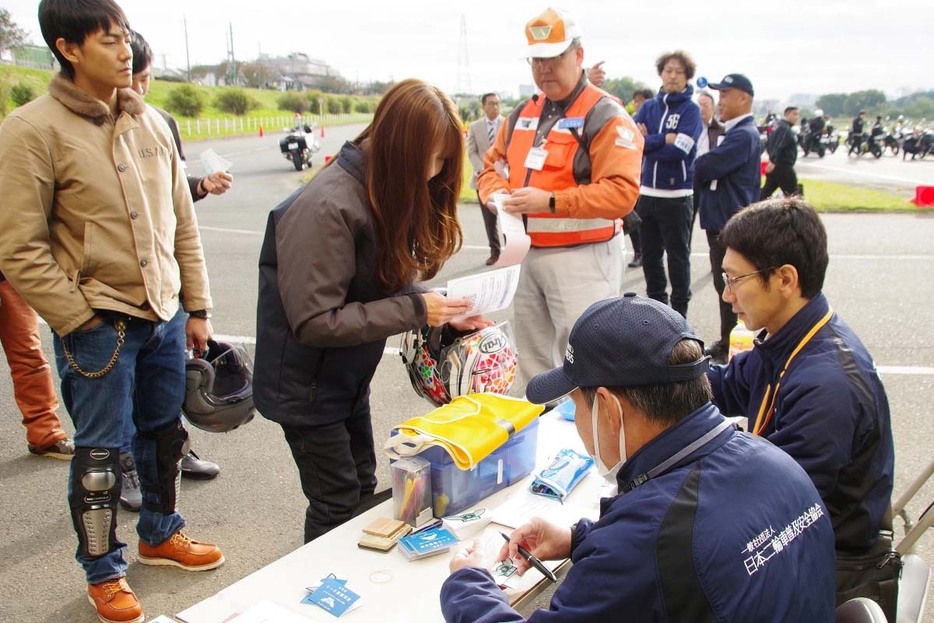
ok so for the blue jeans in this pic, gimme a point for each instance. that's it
(147, 384)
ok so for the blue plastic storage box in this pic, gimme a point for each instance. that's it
(454, 490)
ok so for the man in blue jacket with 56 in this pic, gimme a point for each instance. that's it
(710, 524)
(729, 178)
(671, 124)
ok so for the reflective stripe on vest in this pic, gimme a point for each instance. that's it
(544, 228)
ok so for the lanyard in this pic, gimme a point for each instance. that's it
(671, 461)
(765, 416)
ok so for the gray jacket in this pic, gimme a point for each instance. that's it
(322, 315)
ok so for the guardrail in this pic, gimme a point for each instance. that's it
(238, 126)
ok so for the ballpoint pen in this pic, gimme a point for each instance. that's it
(532, 560)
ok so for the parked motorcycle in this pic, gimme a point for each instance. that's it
(919, 144)
(830, 139)
(894, 140)
(299, 145)
(812, 142)
(863, 143)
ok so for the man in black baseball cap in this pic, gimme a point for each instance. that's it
(734, 81)
(729, 179)
(700, 505)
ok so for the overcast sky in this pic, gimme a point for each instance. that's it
(785, 48)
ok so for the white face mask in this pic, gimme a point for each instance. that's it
(607, 472)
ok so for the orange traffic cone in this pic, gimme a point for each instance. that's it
(261, 131)
(322, 131)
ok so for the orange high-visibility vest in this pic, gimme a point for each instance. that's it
(544, 228)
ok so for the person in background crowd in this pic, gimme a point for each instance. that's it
(639, 97)
(480, 137)
(573, 158)
(33, 387)
(809, 385)
(597, 76)
(782, 148)
(385, 212)
(730, 180)
(99, 235)
(671, 125)
(709, 524)
(708, 139)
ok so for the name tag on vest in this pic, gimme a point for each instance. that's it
(536, 158)
(569, 123)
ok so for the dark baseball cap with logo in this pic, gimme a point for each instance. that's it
(620, 342)
(734, 81)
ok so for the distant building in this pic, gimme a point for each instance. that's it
(298, 71)
(32, 56)
(527, 90)
(172, 75)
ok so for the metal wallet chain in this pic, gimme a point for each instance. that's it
(120, 325)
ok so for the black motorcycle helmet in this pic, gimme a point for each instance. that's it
(219, 388)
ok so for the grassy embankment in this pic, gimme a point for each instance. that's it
(212, 123)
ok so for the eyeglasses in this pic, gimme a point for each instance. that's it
(732, 281)
(551, 60)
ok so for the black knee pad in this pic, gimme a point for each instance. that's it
(95, 494)
(171, 445)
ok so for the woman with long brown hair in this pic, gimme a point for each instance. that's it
(336, 279)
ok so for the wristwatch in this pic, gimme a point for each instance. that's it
(551, 203)
(203, 314)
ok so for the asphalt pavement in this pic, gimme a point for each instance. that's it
(889, 173)
(879, 281)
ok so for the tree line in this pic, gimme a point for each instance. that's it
(873, 101)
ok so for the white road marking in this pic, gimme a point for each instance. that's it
(393, 351)
(909, 370)
(476, 247)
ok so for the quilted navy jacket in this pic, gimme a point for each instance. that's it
(734, 532)
(831, 416)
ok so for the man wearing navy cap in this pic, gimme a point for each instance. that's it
(729, 180)
(710, 524)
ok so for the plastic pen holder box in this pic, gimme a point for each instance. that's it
(411, 490)
(454, 490)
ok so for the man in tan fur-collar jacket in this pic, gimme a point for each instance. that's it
(99, 235)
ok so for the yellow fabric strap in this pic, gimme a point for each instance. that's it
(762, 422)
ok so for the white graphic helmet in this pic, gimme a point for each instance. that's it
(442, 366)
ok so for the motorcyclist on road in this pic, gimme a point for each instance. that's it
(877, 127)
(816, 124)
(856, 133)
(815, 129)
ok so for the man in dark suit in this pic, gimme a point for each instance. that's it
(479, 138)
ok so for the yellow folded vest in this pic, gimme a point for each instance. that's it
(469, 427)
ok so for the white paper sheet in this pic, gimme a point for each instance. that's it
(268, 612)
(487, 292)
(511, 230)
(213, 163)
(583, 501)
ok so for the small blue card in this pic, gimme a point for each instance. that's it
(333, 596)
(571, 122)
(427, 543)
